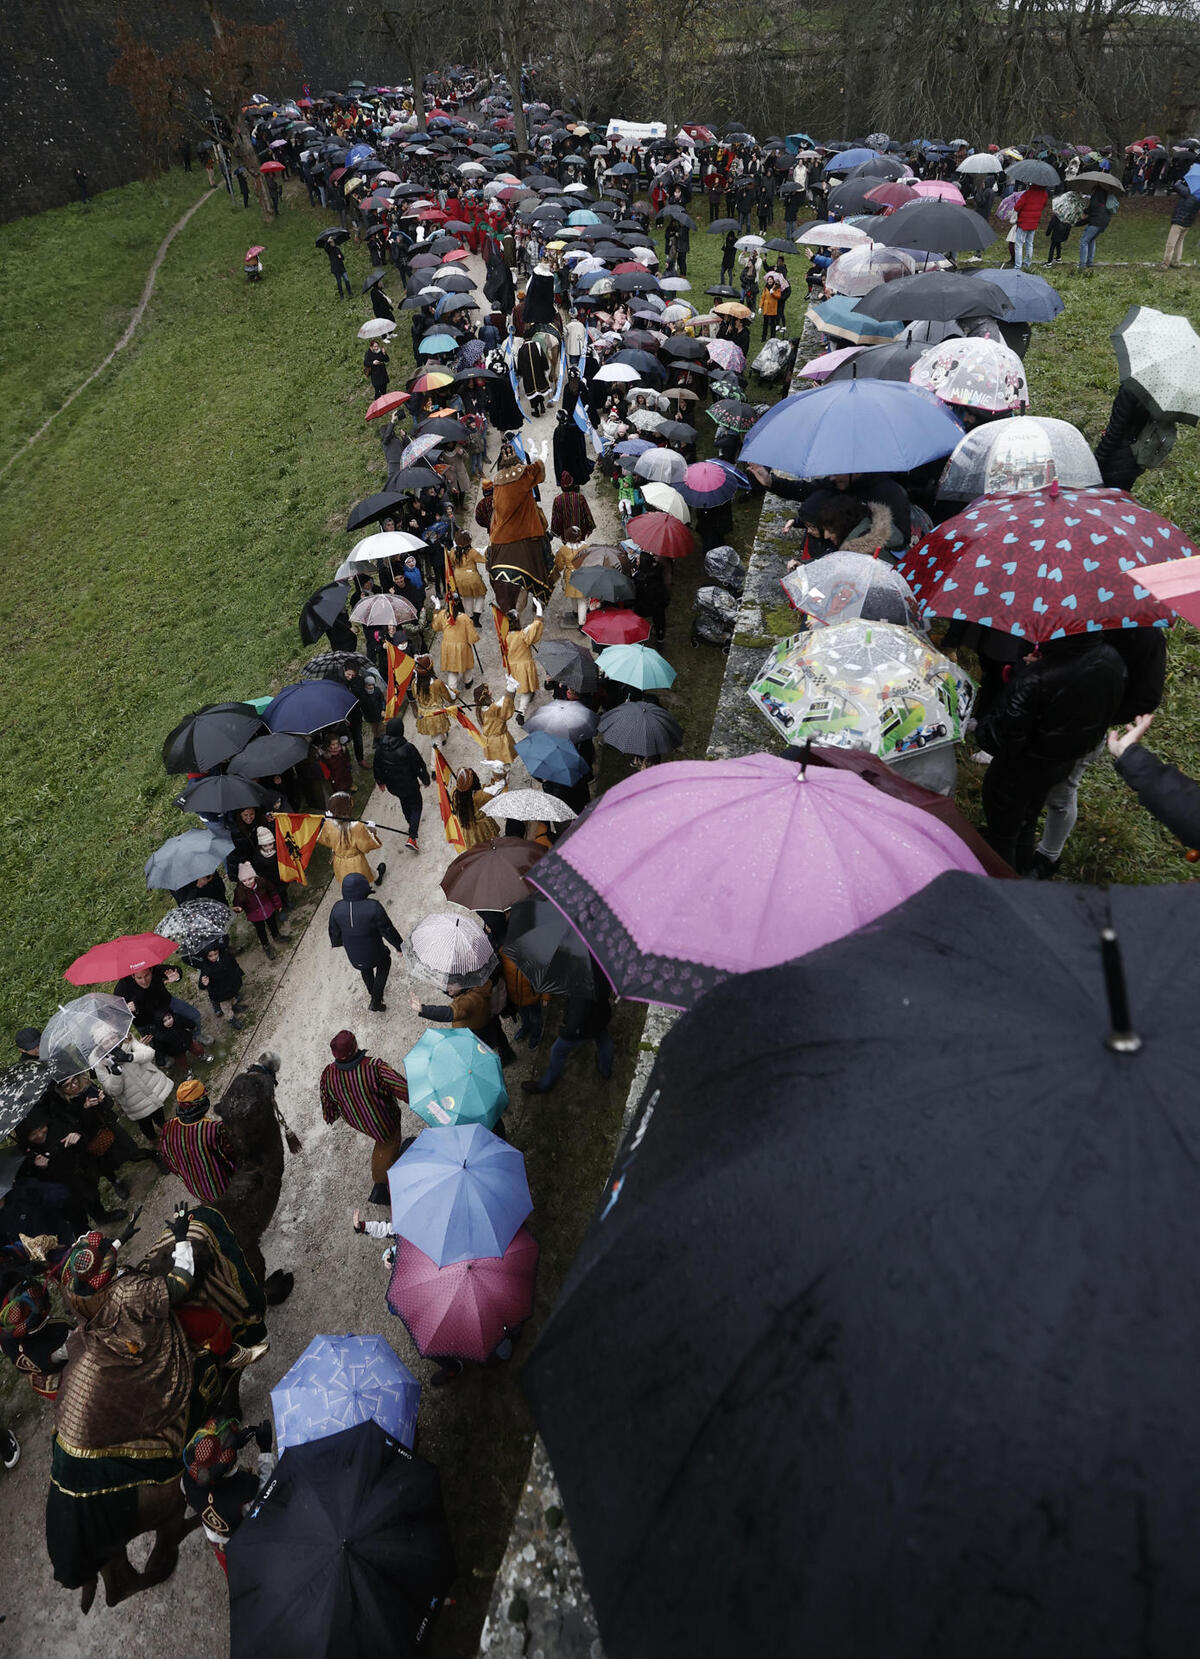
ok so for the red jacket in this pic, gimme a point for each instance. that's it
(1030, 204)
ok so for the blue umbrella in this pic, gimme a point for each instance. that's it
(197, 852)
(633, 446)
(339, 1381)
(1034, 300)
(360, 152)
(849, 159)
(459, 1194)
(852, 426)
(840, 317)
(552, 758)
(454, 1078)
(434, 344)
(309, 706)
(1192, 179)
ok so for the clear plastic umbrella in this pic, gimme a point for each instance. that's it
(975, 374)
(1026, 453)
(660, 466)
(448, 949)
(864, 268)
(82, 1032)
(530, 806)
(378, 610)
(842, 587)
(573, 721)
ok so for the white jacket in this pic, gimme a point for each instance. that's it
(139, 1088)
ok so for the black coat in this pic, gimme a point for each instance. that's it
(1114, 452)
(570, 454)
(360, 925)
(1058, 705)
(398, 765)
(224, 976)
(1165, 791)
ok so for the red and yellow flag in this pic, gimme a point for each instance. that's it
(451, 584)
(465, 721)
(295, 837)
(400, 672)
(502, 627)
(444, 779)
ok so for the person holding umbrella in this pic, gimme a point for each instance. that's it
(367, 1094)
(337, 266)
(586, 1018)
(1102, 204)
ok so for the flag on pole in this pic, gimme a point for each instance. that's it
(451, 584)
(443, 777)
(465, 721)
(562, 374)
(514, 382)
(502, 627)
(400, 672)
(295, 837)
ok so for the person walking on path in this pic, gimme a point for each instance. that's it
(465, 565)
(359, 925)
(431, 700)
(493, 724)
(195, 1147)
(367, 1094)
(459, 636)
(522, 664)
(349, 841)
(337, 264)
(400, 771)
(585, 1019)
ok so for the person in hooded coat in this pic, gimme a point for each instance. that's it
(516, 553)
(400, 771)
(359, 925)
(570, 450)
(539, 299)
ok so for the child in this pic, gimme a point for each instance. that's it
(258, 900)
(221, 976)
(172, 1036)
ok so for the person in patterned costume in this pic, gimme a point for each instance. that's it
(216, 1487)
(367, 1094)
(195, 1147)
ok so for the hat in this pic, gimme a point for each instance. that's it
(246, 872)
(90, 1265)
(344, 1045)
(487, 484)
(211, 1450)
(567, 482)
(28, 1038)
(26, 1310)
(192, 1098)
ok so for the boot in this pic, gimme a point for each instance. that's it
(278, 1287)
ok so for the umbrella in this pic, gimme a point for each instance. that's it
(837, 235)
(891, 362)
(378, 328)
(463, 1310)
(339, 1381)
(638, 666)
(663, 466)
(939, 296)
(432, 345)
(421, 446)
(1010, 456)
(617, 372)
(568, 664)
(336, 233)
(552, 759)
(861, 270)
(733, 308)
(640, 729)
(937, 1332)
(543, 945)
(943, 227)
(726, 355)
(128, 954)
(562, 718)
(210, 737)
(381, 610)
(221, 792)
(453, 1077)
(265, 757)
(329, 665)
(841, 318)
(735, 416)
(376, 508)
(610, 587)
(1031, 172)
(450, 950)
(459, 1194)
(529, 806)
(851, 426)
(87, 1027)
(667, 500)
(647, 880)
(710, 484)
(309, 707)
(618, 626)
(1033, 299)
(178, 862)
(490, 876)
(978, 374)
(840, 587)
(1159, 357)
(981, 163)
(864, 685)
(345, 1551)
(22, 1087)
(321, 611)
(195, 924)
(661, 534)
(1059, 554)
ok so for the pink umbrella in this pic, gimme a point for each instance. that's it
(819, 367)
(940, 188)
(647, 880)
(460, 1311)
(726, 355)
(1176, 584)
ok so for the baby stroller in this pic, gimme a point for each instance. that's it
(252, 265)
(774, 361)
(724, 566)
(714, 617)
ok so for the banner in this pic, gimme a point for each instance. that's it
(580, 416)
(465, 721)
(295, 837)
(400, 672)
(513, 378)
(451, 584)
(444, 778)
(502, 626)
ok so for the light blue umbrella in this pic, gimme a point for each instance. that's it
(584, 216)
(848, 160)
(552, 758)
(339, 1381)
(434, 344)
(459, 1194)
(454, 1078)
(1034, 300)
(851, 426)
(636, 665)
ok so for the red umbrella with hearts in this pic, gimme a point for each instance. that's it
(1047, 563)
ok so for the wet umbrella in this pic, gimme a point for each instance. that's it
(840, 317)
(830, 853)
(408, 480)
(221, 792)
(459, 1194)
(195, 924)
(978, 374)
(710, 484)
(940, 296)
(335, 234)
(891, 362)
(855, 426)
(309, 707)
(1025, 453)
(600, 582)
(736, 416)
(346, 1551)
(841, 587)
(529, 806)
(446, 950)
(85, 1029)
(130, 953)
(1032, 172)
(22, 1087)
(382, 610)
(210, 737)
(377, 329)
(943, 227)
(1033, 299)
(640, 729)
(681, 347)
(570, 720)
(453, 1077)
(339, 1381)
(662, 535)
(835, 235)
(1159, 357)
(547, 950)
(664, 466)
(636, 665)
(329, 665)
(616, 626)
(568, 665)
(388, 404)
(491, 875)
(179, 861)
(463, 1310)
(860, 270)
(552, 759)
(265, 757)
(321, 611)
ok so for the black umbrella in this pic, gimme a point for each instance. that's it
(935, 296)
(373, 280)
(322, 609)
(211, 736)
(335, 233)
(346, 1552)
(942, 227)
(568, 665)
(722, 291)
(946, 1359)
(781, 244)
(851, 197)
(441, 426)
(639, 728)
(642, 361)
(547, 950)
(675, 432)
(681, 346)
(22, 1086)
(373, 509)
(264, 757)
(195, 925)
(879, 167)
(415, 478)
(1034, 173)
(720, 226)
(635, 282)
(675, 212)
(610, 587)
(221, 792)
(328, 665)
(890, 362)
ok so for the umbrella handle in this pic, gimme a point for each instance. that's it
(1122, 1038)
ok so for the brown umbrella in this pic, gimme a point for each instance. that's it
(491, 875)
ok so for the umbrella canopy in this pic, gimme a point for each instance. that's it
(891, 362)
(491, 875)
(1060, 555)
(661, 466)
(455, 1078)
(568, 665)
(956, 1309)
(22, 1087)
(981, 163)
(861, 270)
(346, 1551)
(735, 416)
(1032, 298)
(197, 852)
(210, 737)
(638, 666)
(830, 854)
(339, 1381)
(308, 707)
(842, 587)
(195, 924)
(711, 483)
(836, 235)
(376, 507)
(1177, 585)
(841, 318)
(529, 806)
(864, 685)
(617, 626)
(385, 405)
(1010, 457)
(1031, 172)
(130, 953)
(1159, 357)
(641, 729)
(265, 757)
(610, 587)
(942, 227)
(87, 1027)
(329, 665)
(463, 1310)
(543, 945)
(977, 374)
(939, 296)
(450, 950)
(377, 329)
(552, 758)
(321, 611)
(661, 534)
(573, 721)
(726, 356)
(851, 426)
(459, 1194)
(221, 792)
(382, 610)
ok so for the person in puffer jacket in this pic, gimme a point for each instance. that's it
(361, 927)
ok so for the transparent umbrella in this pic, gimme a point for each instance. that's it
(560, 718)
(1026, 453)
(842, 587)
(81, 1032)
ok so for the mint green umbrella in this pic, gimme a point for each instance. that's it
(454, 1078)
